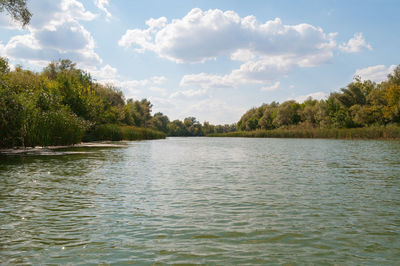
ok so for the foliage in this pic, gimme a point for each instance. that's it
(359, 104)
(63, 105)
(17, 9)
(375, 132)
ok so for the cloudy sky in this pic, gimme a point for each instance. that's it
(212, 59)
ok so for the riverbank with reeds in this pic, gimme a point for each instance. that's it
(116, 133)
(388, 132)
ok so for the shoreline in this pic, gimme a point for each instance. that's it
(49, 149)
(368, 133)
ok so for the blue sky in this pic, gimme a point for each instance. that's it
(211, 59)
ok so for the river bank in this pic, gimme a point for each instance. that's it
(50, 150)
(389, 132)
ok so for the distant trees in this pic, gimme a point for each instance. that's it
(63, 105)
(359, 104)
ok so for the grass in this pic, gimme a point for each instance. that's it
(116, 132)
(388, 132)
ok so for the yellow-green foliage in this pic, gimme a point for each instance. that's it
(62, 104)
(116, 132)
(387, 132)
(359, 104)
(137, 133)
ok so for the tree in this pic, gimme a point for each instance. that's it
(287, 114)
(4, 67)
(160, 122)
(17, 9)
(192, 126)
(177, 128)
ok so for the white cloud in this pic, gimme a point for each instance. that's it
(205, 35)
(355, 44)
(315, 96)
(185, 94)
(55, 32)
(273, 87)
(268, 50)
(132, 88)
(158, 79)
(101, 4)
(105, 73)
(220, 111)
(375, 73)
(65, 37)
(207, 109)
(158, 90)
(252, 72)
(8, 23)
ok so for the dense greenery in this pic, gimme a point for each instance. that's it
(63, 105)
(191, 127)
(374, 132)
(362, 104)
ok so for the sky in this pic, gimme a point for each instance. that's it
(213, 60)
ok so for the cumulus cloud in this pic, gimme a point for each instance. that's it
(252, 72)
(133, 88)
(105, 73)
(55, 32)
(268, 50)
(220, 111)
(355, 44)
(273, 87)
(376, 73)
(101, 4)
(158, 90)
(158, 79)
(185, 94)
(205, 35)
(315, 96)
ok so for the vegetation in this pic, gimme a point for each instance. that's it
(17, 9)
(374, 132)
(62, 105)
(363, 109)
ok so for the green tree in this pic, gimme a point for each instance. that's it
(287, 114)
(160, 122)
(177, 128)
(17, 9)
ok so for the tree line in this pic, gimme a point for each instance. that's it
(63, 105)
(360, 104)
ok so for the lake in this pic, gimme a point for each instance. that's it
(204, 200)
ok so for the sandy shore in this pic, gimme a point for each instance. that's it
(49, 150)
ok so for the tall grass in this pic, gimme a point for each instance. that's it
(388, 132)
(116, 132)
(139, 133)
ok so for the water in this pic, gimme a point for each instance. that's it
(204, 200)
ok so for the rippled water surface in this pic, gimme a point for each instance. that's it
(204, 200)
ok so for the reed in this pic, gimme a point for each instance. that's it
(117, 132)
(387, 132)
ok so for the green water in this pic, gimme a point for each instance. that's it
(204, 201)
